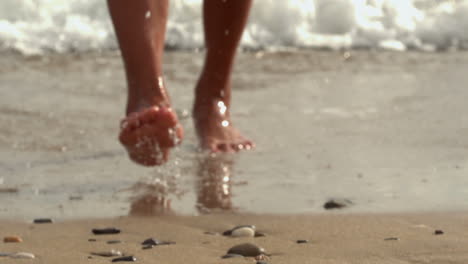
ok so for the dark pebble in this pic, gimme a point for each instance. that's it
(155, 242)
(302, 241)
(391, 238)
(92, 240)
(337, 204)
(43, 221)
(438, 232)
(128, 258)
(106, 231)
(259, 234)
(114, 242)
(246, 250)
(231, 256)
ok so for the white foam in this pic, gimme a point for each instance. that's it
(35, 26)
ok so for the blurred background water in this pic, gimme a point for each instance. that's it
(37, 26)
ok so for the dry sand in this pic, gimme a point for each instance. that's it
(333, 238)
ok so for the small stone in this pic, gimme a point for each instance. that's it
(12, 239)
(337, 204)
(155, 242)
(241, 231)
(246, 250)
(106, 231)
(259, 234)
(438, 232)
(391, 238)
(75, 198)
(92, 240)
(43, 221)
(148, 246)
(231, 256)
(128, 258)
(111, 253)
(22, 255)
(114, 242)
(302, 241)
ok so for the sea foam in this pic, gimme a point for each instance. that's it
(38, 26)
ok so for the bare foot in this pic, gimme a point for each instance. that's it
(149, 134)
(215, 130)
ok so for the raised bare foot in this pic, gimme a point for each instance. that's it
(215, 130)
(149, 134)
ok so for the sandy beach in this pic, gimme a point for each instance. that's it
(383, 130)
(334, 238)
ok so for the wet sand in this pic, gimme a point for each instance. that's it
(385, 130)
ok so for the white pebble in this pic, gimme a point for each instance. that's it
(243, 232)
(22, 255)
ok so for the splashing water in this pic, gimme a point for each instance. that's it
(37, 26)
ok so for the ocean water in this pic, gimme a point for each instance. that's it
(38, 26)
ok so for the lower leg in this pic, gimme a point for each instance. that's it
(224, 22)
(151, 127)
(140, 27)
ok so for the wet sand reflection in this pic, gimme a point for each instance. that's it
(212, 185)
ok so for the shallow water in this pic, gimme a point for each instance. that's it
(384, 130)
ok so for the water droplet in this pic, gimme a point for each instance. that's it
(148, 14)
(225, 123)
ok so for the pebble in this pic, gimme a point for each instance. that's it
(246, 250)
(43, 221)
(337, 204)
(259, 234)
(12, 239)
(128, 258)
(92, 240)
(114, 242)
(22, 255)
(438, 232)
(106, 231)
(302, 241)
(155, 242)
(148, 247)
(391, 238)
(111, 253)
(231, 256)
(241, 231)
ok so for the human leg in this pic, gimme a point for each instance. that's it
(224, 22)
(151, 127)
